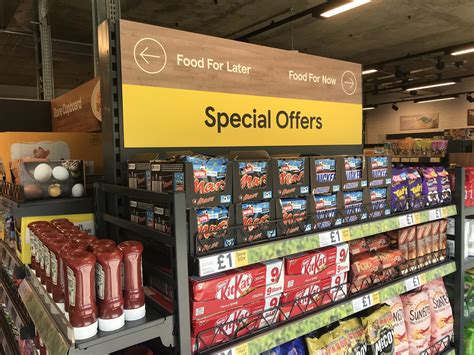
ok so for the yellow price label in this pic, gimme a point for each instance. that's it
(242, 349)
(423, 279)
(417, 218)
(241, 258)
(375, 298)
(346, 234)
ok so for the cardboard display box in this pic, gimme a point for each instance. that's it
(295, 281)
(52, 146)
(353, 205)
(325, 174)
(353, 172)
(291, 176)
(379, 170)
(209, 228)
(325, 210)
(379, 201)
(252, 176)
(256, 219)
(293, 215)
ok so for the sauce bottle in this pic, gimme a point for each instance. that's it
(108, 281)
(87, 239)
(134, 298)
(70, 247)
(57, 283)
(102, 243)
(50, 258)
(71, 235)
(56, 222)
(32, 227)
(80, 274)
(41, 250)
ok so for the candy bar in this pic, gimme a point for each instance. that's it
(391, 258)
(366, 264)
(237, 283)
(332, 271)
(212, 224)
(255, 217)
(325, 177)
(352, 205)
(311, 263)
(294, 213)
(290, 178)
(325, 208)
(358, 246)
(378, 242)
(379, 170)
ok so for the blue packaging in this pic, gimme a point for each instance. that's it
(353, 205)
(325, 170)
(294, 347)
(326, 208)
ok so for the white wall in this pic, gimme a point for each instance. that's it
(383, 120)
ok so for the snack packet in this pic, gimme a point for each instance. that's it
(444, 186)
(207, 171)
(417, 312)
(356, 335)
(315, 345)
(430, 186)
(291, 171)
(253, 175)
(399, 190)
(414, 185)
(294, 347)
(379, 331)
(441, 312)
(336, 342)
(401, 346)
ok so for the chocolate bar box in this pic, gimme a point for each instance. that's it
(379, 170)
(256, 221)
(290, 176)
(293, 215)
(325, 175)
(353, 172)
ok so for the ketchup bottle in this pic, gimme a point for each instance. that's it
(68, 248)
(32, 227)
(80, 273)
(102, 243)
(108, 281)
(72, 235)
(134, 298)
(42, 234)
(56, 222)
(50, 258)
(57, 283)
(86, 239)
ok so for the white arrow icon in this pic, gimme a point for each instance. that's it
(351, 83)
(143, 55)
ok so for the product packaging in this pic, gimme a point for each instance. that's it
(355, 333)
(430, 186)
(379, 331)
(416, 307)
(421, 231)
(139, 172)
(207, 181)
(399, 240)
(294, 347)
(379, 171)
(414, 183)
(325, 175)
(399, 330)
(399, 190)
(209, 228)
(290, 176)
(252, 177)
(256, 221)
(141, 212)
(293, 211)
(358, 246)
(352, 205)
(353, 172)
(161, 215)
(314, 262)
(444, 186)
(441, 312)
(332, 271)
(325, 210)
(379, 205)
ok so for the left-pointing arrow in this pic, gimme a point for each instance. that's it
(143, 54)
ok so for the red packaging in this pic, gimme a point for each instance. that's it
(236, 322)
(297, 281)
(399, 240)
(364, 265)
(443, 225)
(358, 246)
(314, 262)
(378, 242)
(435, 227)
(237, 283)
(391, 258)
(101, 243)
(31, 235)
(411, 239)
(308, 299)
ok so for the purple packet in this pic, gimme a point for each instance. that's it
(414, 182)
(399, 190)
(444, 186)
(429, 186)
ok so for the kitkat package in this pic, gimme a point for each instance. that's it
(430, 186)
(399, 190)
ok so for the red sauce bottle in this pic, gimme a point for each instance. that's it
(32, 227)
(102, 243)
(80, 273)
(67, 228)
(57, 284)
(134, 298)
(70, 247)
(108, 281)
(50, 258)
(87, 239)
(41, 250)
(71, 235)
(56, 222)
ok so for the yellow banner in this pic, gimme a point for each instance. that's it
(156, 117)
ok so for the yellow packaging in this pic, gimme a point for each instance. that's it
(23, 249)
(52, 146)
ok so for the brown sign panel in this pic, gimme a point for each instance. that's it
(157, 56)
(78, 110)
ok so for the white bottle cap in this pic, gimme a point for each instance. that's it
(108, 325)
(134, 314)
(81, 333)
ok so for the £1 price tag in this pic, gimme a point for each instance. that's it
(409, 220)
(217, 263)
(334, 237)
(365, 302)
(413, 282)
(436, 214)
(238, 350)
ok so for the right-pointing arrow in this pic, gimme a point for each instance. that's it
(351, 83)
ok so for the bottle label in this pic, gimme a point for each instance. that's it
(33, 245)
(40, 254)
(99, 281)
(54, 269)
(71, 285)
(122, 274)
(47, 262)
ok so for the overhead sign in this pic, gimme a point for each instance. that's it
(182, 89)
(78, 110)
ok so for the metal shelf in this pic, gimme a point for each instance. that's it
(282, 333)
(47, 207)
(7, 339)
(208, 265)
(468, 211)
(469, 263)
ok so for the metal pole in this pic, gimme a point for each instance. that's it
(46, 50)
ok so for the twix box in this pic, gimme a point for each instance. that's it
(314, 262)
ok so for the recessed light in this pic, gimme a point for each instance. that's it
(367, 108)
(463, 51)
(431, 86)
(343, 7)
(369, 71)
(422, 101)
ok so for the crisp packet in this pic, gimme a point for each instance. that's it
(430, 186)
(414, 188)
(444, 186)
(399, 190)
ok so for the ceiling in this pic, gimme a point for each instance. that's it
(379, 31)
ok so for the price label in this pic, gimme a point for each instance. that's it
(415, 281)
(414, 160)
(365, 302)
(216, 263)
(238, 350)
(405, 160)
(409, 220)
(396, 160)
(435, 214)
(435, 160)
(334, 237)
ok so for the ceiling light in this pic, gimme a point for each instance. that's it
(463, 51)
(470, 98)
(368, 108)
(344, 6)
(394, 106)
(431, 86)
(369, 71)
(444, 98)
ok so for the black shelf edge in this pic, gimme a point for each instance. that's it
(48, 207)
(154, 234)
(10, 338)
(136, 193)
